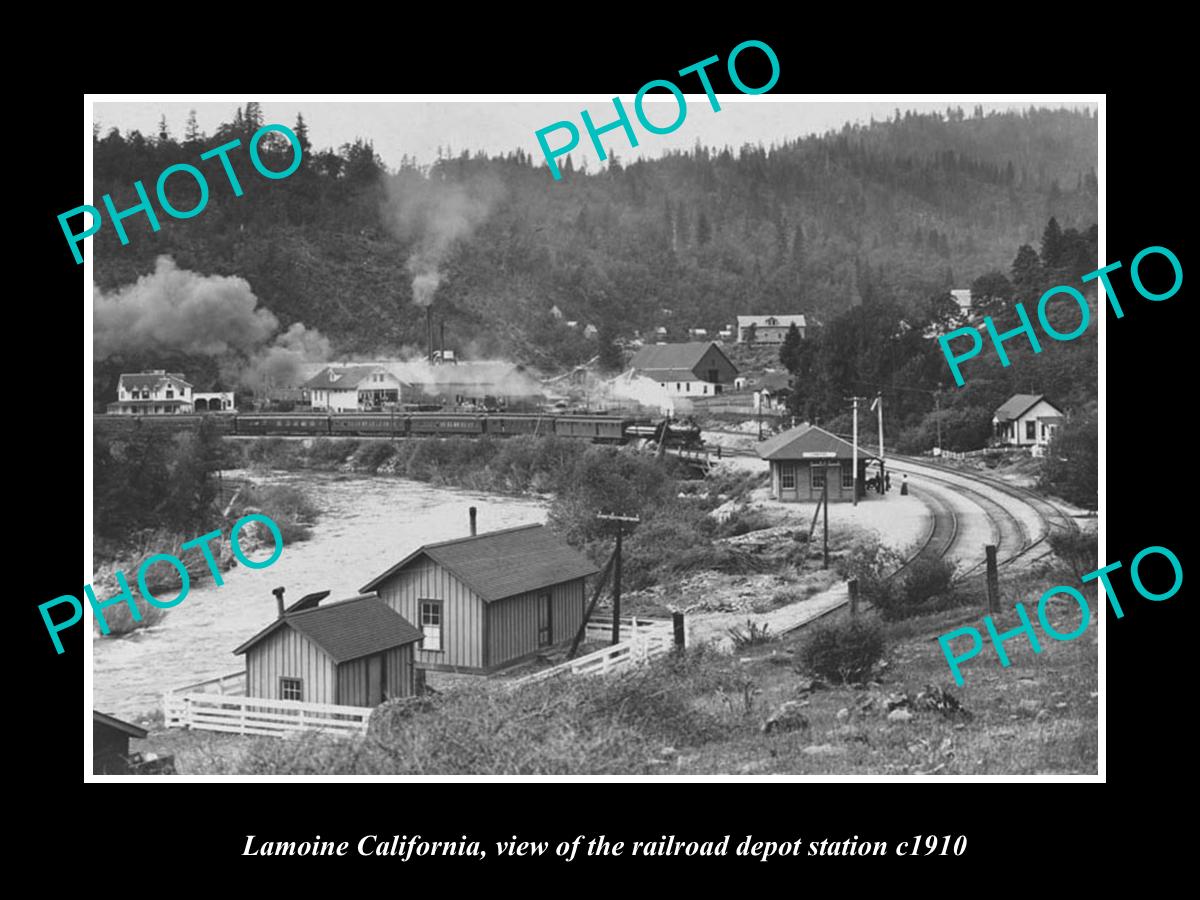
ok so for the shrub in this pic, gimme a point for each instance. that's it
(121, 622)
(289, 507)
(925, 578)
(743, 522)
(1072, 459)
(751, 636)
(370, 455)
(1076, 549)
(330, 451)
(872, 563)
(844, 651)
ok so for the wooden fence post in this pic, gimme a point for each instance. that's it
(852, 584)
(993, 580)
(680, 633)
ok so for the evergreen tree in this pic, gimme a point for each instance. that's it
(1026, 274)
(790, 351)
(191, 131)
(1052, 245)
(164, 133)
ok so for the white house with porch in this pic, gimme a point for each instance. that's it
(155, 392)
(353, 388)
(1026, 420)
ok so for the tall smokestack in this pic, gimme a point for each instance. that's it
(442, 340)
(473, 514)
(278, 592)
(429, 329)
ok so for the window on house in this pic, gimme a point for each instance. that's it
(787, 477)
(170, 394)
(816, 475)
(677, 387)
(1030, 430)
(291, 689)
(544, 614)
(847, 479)
(712, 375)
(688, 387)
(431, 625)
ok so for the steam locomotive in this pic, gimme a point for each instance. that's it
(599, 429)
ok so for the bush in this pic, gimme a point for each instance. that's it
(872, 563)
(289, 507)
(1072, 459)
(925, 578)
(121, 622)
(1077, 550)
(326, 452)
(370, 455)
(750, 636)
(844, 651)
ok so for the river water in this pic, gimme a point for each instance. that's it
(367, 524)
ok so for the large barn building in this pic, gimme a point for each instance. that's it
(803, 458)
(768, 329)
(355, 652)
(695, 369)
(487, 601)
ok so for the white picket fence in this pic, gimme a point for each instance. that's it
(221, 704)
(641, 640)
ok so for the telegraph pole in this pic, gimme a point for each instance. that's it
(854, 464)
(616, 621)
(937, 405)
(878, 406)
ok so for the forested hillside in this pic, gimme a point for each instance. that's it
(894, 212)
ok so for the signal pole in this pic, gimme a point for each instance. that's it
(854, 457)
(620, 520)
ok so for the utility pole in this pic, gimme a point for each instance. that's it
(616, 621)
(854, 457)
(825, 503)
(937, 405)
(878, 407)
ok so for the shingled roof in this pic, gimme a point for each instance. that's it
(142, 380)
(1019, 404)
(677, 359)
(343, 378)
(502, 563)
(346, 630)
(795, 442)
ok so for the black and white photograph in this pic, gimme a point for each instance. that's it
(521, 437)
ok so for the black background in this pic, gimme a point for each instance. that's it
(203, 828)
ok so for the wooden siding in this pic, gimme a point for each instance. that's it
(110, 748)
(512, 623)
(715, 359)
(352, 677)
(462, 612)
(289, 654)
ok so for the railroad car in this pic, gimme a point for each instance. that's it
(446, 423)
(283, 423)
(600, 429)
(369, 423)
(508, 424)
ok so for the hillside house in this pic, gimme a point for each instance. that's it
(695, 369)
(768, 329)
(156, 392)
(487, 601)
(353, 389)
(1026, 420)
(354, 652)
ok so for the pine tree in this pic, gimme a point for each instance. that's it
(301, 130)
(1026, 273)
(1052, 245)
(191, 131)
(164, 133)
(790, 351)
(703, 229)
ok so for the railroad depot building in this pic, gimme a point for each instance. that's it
(156, 392)
(768, 329)
(354, 652)
(487, 601)
(695, 369)
(803, 458)
(1026, 420)
(353, 388)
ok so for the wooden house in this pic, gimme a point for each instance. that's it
(1026, 420)
(802, 460)
(487, 601)
(110, 744)
(355, 652)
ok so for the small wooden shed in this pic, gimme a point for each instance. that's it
(355, 652)
(487, 601)
(110, 744)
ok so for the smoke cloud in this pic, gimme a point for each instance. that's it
(174, 310)
(432, 215)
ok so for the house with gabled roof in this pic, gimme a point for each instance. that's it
(353, 388)
(807, 459)
(694, 369)
(487, 601)
(156, 392)
(353, 652)
(768, 329)
(1026, 420)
